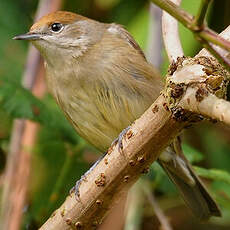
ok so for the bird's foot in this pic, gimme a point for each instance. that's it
(119, 139)
(75, 189)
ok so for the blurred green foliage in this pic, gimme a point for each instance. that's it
(59, 155)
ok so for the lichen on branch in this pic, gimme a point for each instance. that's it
(203, 76)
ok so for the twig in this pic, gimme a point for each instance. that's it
(22, 141)
(212, 37)
(224, 35)
(157, 210)
(171, 36)
(186, 19)
(170, 7)
(200, 17)
(211, 106)
(154, 50)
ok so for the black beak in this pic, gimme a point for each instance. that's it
(28, 36)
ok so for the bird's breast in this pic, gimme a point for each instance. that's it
(100, 101)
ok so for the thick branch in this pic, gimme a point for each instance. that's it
(202, 91)
(143, 143)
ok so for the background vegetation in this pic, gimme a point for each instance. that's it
(60, 156)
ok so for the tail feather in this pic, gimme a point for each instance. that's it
(190, 186)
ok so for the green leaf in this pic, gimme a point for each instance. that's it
(19, 102)
(214, 174)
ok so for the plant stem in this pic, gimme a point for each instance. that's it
(204, 35)
(182, 16)
(223, 60)
(214, 38)
(199, 19)
(63, 174)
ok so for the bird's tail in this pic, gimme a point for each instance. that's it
(190, 186)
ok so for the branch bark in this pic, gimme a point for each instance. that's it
(202, 91)
(211, 106)
(148, 136)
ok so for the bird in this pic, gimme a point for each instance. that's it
(102, 81)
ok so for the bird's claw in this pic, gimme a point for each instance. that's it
(119, 139)
(75, 189)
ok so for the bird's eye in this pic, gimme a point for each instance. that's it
(56, 27)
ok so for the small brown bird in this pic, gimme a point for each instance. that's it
(100, 78)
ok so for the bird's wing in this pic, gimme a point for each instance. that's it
(119, 30)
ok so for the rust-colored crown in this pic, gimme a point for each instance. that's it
(63, 17)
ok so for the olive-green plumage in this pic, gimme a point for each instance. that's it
(100, 78)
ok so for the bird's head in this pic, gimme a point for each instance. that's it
(63, 33)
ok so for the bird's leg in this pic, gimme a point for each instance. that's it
(176, 147)
(75, 189)
(119, 139)
(176, 144)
